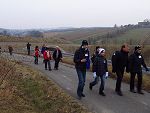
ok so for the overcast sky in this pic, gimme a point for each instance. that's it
(25, 14)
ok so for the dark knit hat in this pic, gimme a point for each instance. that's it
(84, 42)
(137, 47)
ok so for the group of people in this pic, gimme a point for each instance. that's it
(121, 62)
(47, 56)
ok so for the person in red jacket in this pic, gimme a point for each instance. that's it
(47, 58)
(36, 54)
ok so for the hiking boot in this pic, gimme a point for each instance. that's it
(83, 95)
(102, 93)
(119, 93)
(133, 91)
(140, 92)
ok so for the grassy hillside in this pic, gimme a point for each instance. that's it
(135, 36)
(33, 40)
(24, 90)
(76, 35)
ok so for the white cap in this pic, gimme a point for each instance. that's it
(57, 46)
(100, 50)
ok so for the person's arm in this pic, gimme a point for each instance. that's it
(54, 54)
(106, 66)
(144, 65)
(127, 65)
(95, 65)
(130, 62)
(76, 57)
(114, 60)
(60, 54)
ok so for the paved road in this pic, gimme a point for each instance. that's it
(66, 78)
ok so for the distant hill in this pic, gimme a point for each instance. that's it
(134, 36)
(95, 35)
(78, 34)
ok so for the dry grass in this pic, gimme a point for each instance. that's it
(33, 40)
(79, 33)
(28, 91)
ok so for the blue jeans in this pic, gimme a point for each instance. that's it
(49, 64)
(96, 82)
(81, 77)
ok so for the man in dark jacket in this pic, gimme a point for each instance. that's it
(135, 61)
(119, 62)
(101, 70)
(28, 48)
(80, 57)
(57, 56)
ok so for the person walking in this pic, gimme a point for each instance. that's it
(80, 57)
(136, 60)
(36, 54)
(10, 49)
(47, 58)
(119, 63)
(0, 50)
(28, 48)
(57, 56)
(92, 59)
(43, 50)
(100, 70)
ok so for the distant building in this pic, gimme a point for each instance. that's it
(144, 24)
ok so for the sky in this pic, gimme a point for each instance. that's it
(28, 14)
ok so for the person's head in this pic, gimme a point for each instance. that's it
(137, 49)
(84, 44)
(57, 47)
(46, 48)
(101, 52)
(36, 47)
(125, 48)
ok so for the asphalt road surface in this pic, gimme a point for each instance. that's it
(66, 78)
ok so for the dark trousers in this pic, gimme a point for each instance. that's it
(49, 64)
(36, 60)
(81, 83)
(56, 63)
(139, 82)
(102, 82)
(119, 80)
(28, 51)
(10, 52)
